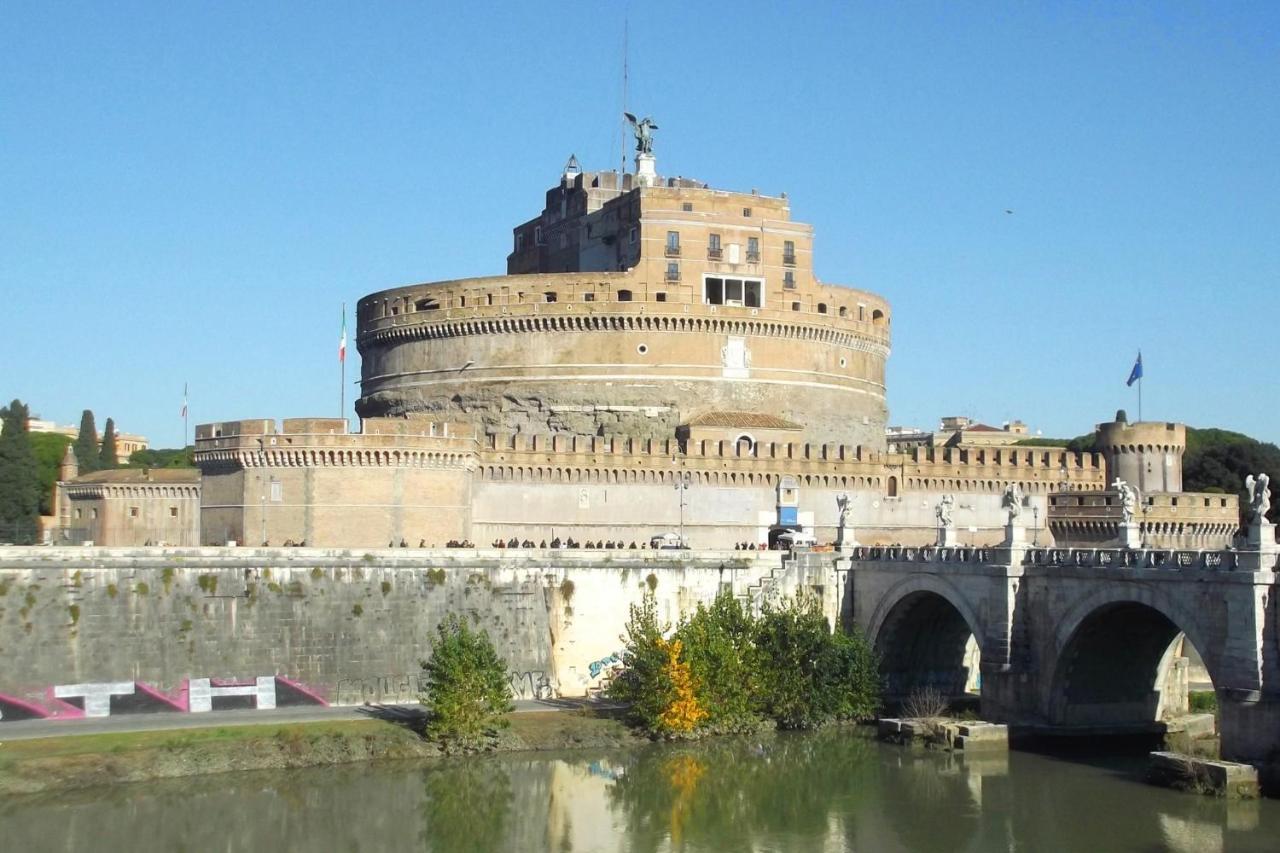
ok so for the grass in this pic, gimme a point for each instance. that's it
(174, 739)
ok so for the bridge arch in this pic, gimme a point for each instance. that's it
(1111, 656)
(927, 634)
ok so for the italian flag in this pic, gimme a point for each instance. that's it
(342, 341)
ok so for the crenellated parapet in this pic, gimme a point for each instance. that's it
(1165, 520)
(572, 459)
(325, 443)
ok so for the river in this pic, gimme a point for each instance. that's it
(831, 791)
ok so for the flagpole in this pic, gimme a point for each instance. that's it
(342, 382)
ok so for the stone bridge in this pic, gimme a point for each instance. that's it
(1072, 638)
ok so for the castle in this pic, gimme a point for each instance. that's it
(660, 357)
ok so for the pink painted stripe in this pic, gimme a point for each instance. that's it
(158, 696)
(303, 689)
(62, 707)
(29, 707)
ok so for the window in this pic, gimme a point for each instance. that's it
(673, 243)
(537, 235)
(550, 296)
(564, 241)
(588, 297)
(753, 249)
(714, 252)
(173, 512)
(633, 235)
(862, 312)
(93, 513)
(673, 271)
(687, 207)
(519, 242)
(642, 349)
(843, 312)
(746, 211)
(789, 279)
(624, 295)
(277, 491)
(789, 252)
(822, 307)
(488, 299)
(660, 296)
(133, 512)
(426, 305)
(795, 306)
(732, 291)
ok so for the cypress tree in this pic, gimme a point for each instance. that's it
(19, 479)
(107, 457)
(87, 444)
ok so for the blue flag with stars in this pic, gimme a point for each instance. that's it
(1136, 373)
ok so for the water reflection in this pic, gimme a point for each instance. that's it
(830, 791)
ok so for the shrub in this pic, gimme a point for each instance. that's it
(684, 712)
(719, 645)
(467, 690)
(813, 676)
(1203, 702)
(644, 682)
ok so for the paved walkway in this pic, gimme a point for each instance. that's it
(30, 729)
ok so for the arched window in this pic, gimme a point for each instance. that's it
(892, 488)
(426, 305)
(822, 307)
(624, 295)
(877, 317)
(844, 312)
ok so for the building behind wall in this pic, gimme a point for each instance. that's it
(126, 506)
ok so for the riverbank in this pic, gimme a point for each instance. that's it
(68, 762)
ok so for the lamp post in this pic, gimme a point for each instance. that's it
(1035, 532)
(682, 486)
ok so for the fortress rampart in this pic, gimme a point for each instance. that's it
(421, 482)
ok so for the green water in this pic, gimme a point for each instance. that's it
(831, 791)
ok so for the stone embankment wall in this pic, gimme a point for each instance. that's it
(95, 630)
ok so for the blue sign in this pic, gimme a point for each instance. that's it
(787, 515)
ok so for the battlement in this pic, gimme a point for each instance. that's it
(302, 442)
(560, 302)
(567, 458)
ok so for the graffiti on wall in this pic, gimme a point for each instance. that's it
(196, 696)
(261, 693)
(531, 684)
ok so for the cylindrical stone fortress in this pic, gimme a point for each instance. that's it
(596, 354)
(630, 309)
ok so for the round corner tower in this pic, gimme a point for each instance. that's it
(1145, 454)
(628, 309)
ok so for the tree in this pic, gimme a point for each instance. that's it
(86, 446)
(107, 458)
(19, 479)
(813, 676)
(467, 690)
(49, 448)
(1218, 460)
(162, 457)
(644, 682)
(719, 645)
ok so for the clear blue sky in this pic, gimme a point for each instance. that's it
(188, 191)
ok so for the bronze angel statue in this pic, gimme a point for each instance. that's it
(643, 129)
